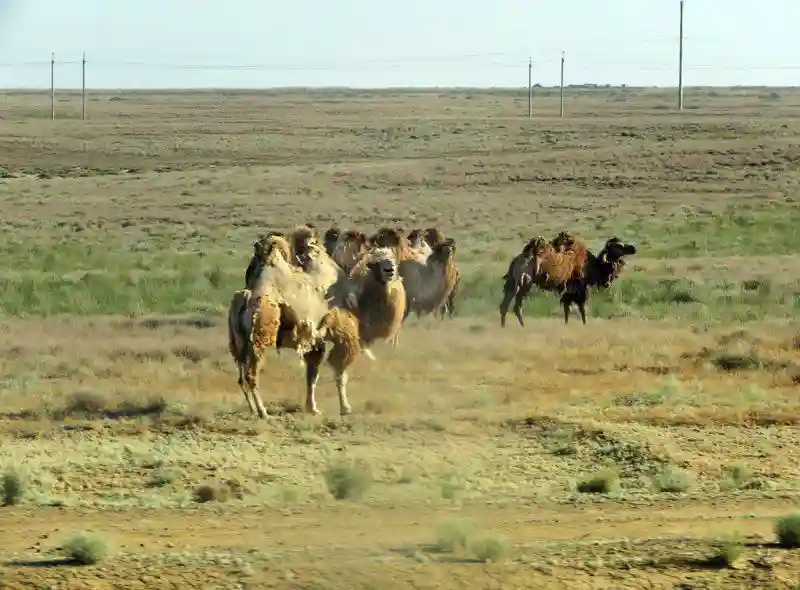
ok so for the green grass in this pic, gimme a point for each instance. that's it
(84, 273)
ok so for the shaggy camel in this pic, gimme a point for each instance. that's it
(423, 241)
(394, 238)
(565, 266)
(378, 315)
(418, 245)
(330, 239)
(350, 246)
(281, 310)
(429, 284)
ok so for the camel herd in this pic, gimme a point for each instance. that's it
(332, 299)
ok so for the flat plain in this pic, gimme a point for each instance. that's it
(647, 449)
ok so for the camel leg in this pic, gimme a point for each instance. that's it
(241, 381)
(341, 389)
(251, 379)
(508, 295)
(583, 296)
(313, 362)
(566, 302)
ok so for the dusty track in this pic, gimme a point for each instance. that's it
(337, 546)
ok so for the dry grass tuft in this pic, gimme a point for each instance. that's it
(605, 481)
(729, 550)
(787, 530)
(13, 486)
(673, 480)
(347, 480)
(212, 492)
(87, 548)
(454, 535)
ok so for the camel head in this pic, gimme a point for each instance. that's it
(330, 238)
(302, 238)
(433, 236)
(311, 252)
(615, 249)
(416, 238)
(612, 258)
(382, 265)
(445, 250)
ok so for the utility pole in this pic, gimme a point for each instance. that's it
(530, 88)
(561, 107)
(83, 87)
(680, 62)
(53, 85)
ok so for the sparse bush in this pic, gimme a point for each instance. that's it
(450, 487)
(605, 481)
(163, 477)
(736, 476)
(729, 550)
(454, 535)
(673, 480)
(489, 547)
(787, 529)
(14, 486)
(347, 481)
(87, 548)
(211, 493)
(86, 403)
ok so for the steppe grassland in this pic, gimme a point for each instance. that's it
(125, 235)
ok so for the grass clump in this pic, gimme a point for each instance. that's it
(673, 480)
(453, 535)
(87, 548)
(489, 547)
(13, 486)
(347, 480)
(787, 529)
(729, 550)
(163, 477)
(605, 481)
(735, 477)
(211, 493)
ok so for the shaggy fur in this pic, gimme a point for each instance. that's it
(327, 276)
(252, 267)
(302, 237)
(330, 240)
(565, 266)
(423, 241)
(377, 316)
(349, 248)
(281, 310)
(394, 238)
(429, 284)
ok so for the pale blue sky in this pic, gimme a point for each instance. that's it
(396, 43)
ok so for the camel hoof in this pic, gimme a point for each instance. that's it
(313, 411)
(346, 411)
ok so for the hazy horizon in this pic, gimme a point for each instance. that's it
(437, 43)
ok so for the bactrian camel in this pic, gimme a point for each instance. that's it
(377, 316)
(565, 266)
(280, 310)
